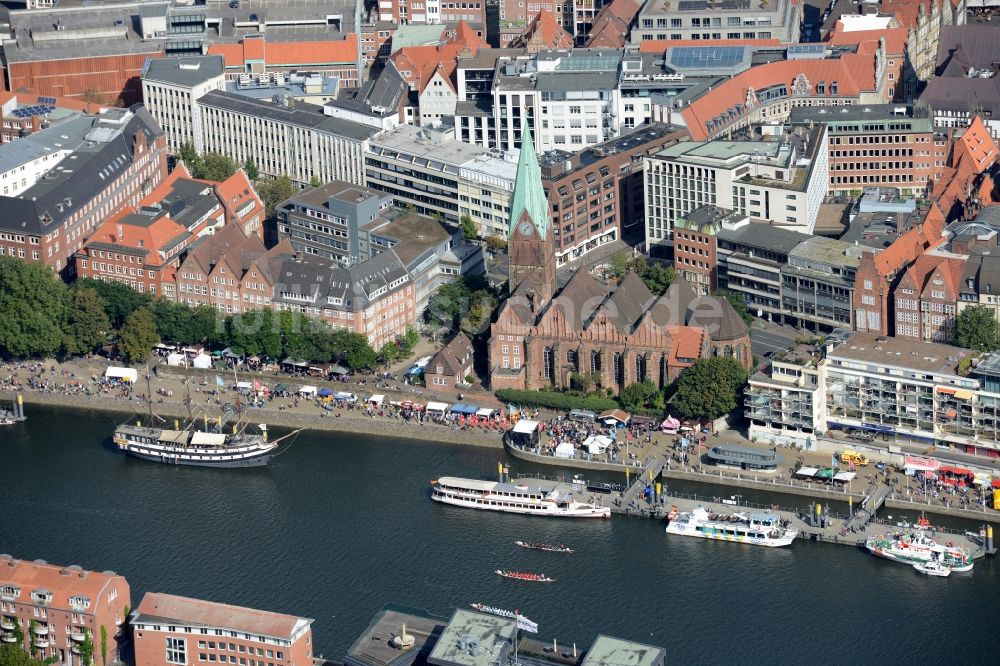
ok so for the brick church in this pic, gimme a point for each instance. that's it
(616, 333)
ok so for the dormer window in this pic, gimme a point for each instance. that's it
(9, 592)
(41, 596)
(79, 602)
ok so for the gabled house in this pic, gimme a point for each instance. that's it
(543, 33)
(926, 298)
(452, 364)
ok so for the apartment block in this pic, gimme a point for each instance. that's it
(751, 258)
(429, 170)
(596, 195)
(785, 399)
(403, 12)
(881, 145)
(817, 283)
(567, 98)
(170, 87)
(168, 629)
(50, 610)
(717, 19)
(75, 175)
(926, 298)
(285, 138)
(696, 246)
(780, 178)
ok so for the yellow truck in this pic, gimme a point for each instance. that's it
(856, 457)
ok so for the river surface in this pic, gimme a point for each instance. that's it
(342, 524)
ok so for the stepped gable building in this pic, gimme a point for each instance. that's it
(619, 334)
(543, 33)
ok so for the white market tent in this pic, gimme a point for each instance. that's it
(486, 412)
(806, 472)
(307, 390)
(176, 359)
(130, 375)
(564, 450)
(377, 399)
(440, 407)
(597, 444)
(202, 361)
(844, 476)
(526, 426)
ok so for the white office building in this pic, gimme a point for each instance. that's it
(170, 87)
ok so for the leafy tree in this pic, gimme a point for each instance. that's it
(254, 332)
(656, 276)
(87, 648)
(32, 309)
(273, 191)
(251, 170)
(634, 396)
(119, 300)
(138, 336)
(496, 243)
(470, 230)
(555, 400)
(11, 654)
(388, 353)
(205, 326)
(354, 350)
(315, 182)
(216, 167)
(92, 96)
(87, 324)
(408, 342)
(481, 308)
(104, 645)
(191, 158)
(977, 328)
(709, 388)
(620, 264)
(736, 300)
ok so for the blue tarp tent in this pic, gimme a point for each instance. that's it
(463, 408)
(325, 392)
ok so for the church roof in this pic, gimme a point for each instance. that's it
(717, 316)
(630, 301)
(528, 195)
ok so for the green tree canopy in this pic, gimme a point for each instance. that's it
(87, 326)
(315, 182)
(977, 328)
(709, 388)
(496, 243)
(656, 276)
(11, 654)
(273, 191)
(634, 396)
(253, 173)
(215, 167)
(32, 309)
(191, 158)
(138, 336)
(470, 230)
(119, 300)
(736, 300)
(255, 333)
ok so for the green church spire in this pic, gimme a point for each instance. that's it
(529, 195)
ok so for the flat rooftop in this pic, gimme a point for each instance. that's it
(928, 357)
(66, 136)
(415, 234)
(373, 646)
(609, 651)
(829, 251)
(407, 140)
(300, 113)
(473, 639)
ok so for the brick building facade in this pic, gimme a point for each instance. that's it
(926, 298)
(168, 629)
(56, 608)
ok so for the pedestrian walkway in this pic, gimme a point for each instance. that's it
(872, 502)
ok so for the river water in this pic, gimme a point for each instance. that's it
(342, 524)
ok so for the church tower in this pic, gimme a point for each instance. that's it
(530, 250)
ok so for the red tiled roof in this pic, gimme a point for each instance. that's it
(895, 38)
(543, 33)
(288, 53)
(853, 73)
(978, 146)
(62, 582)
(688, 342)
(224, 616)
(25, 98)
(235, 191)
(610, 26)
(153, 237)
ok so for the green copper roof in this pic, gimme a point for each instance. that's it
(528, 192)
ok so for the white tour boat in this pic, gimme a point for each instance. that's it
(918, 548)
(759, 529)
(541, 498)
(932, 568)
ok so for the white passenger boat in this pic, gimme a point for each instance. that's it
(918, 548)
(932, 568)
(759, 529)
(535, 498)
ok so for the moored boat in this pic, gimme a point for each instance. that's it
(932, 568)
(917, 548)
(533, 497)
(195, 447)
(524, 575)
(499, 612)
(547, 547)
(759, 529)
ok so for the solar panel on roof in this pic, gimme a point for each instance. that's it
(47, 100)
(706, 56)
(692, 5)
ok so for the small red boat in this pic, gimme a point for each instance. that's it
(523, 575)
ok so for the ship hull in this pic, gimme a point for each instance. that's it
(256, 461)
(768, 542)
(549, 511)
